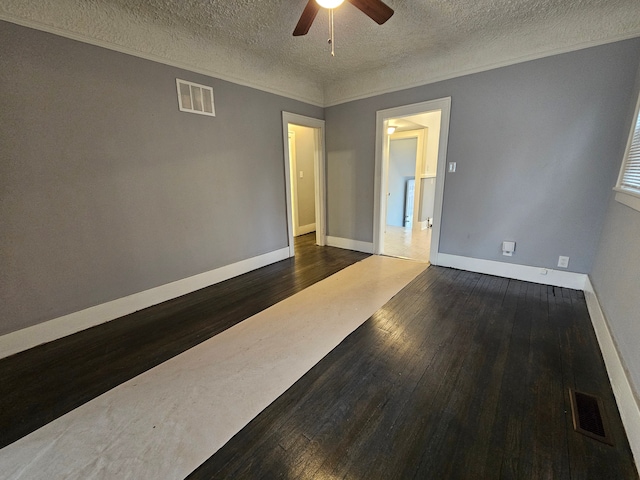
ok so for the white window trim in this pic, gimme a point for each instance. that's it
(628, 199)
(623, 195)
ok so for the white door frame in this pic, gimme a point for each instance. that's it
(294, 184)
(382, 167)
(319, 172)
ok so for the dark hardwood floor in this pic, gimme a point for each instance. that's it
(459, 376)
(41, 384)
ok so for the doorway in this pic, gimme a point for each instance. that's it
(407, 234)
(411, 149)
(304, 177)
(302, 151)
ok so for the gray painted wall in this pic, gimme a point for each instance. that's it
(106, 189)
(533, 144)
(616, 270)
(615, 280)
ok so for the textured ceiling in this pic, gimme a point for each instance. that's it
(250, 41)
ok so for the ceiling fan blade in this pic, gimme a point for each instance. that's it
(378, 11)
(306, 19)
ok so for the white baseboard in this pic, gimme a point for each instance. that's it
(304, 229)
(347, 243)
(622, 389)
(526, 273)
(29, 337)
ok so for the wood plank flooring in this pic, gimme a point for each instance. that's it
(41, 384)
(459, 376)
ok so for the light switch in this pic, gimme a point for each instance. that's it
(301, 174)
(452, 167)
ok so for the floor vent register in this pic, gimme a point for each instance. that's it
(588, 416)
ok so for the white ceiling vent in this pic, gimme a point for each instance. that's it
(195, 98)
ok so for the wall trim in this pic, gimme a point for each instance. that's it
(328, 100)
(304, 229)
(48, 331)
(333, 100)
(628, 199)
(557, 278)
(622, 389)
(349, 244)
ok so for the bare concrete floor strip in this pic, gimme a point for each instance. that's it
(165, 422)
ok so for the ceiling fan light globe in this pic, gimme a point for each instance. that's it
(329, 3)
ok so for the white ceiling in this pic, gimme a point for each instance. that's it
(250, 41)
(413, 122)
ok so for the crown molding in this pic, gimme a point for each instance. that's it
(333, 99)
(314, 96)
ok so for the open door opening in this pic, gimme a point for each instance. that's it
(406, 232)
(410, 161)
(304, 172)
(302, 152)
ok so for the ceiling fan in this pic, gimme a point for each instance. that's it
(378, 11)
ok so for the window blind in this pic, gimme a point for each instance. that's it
(630, 175)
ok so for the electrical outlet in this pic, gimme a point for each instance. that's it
(563, 262)
(508, 248)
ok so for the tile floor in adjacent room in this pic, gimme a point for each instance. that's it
(407, 243)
